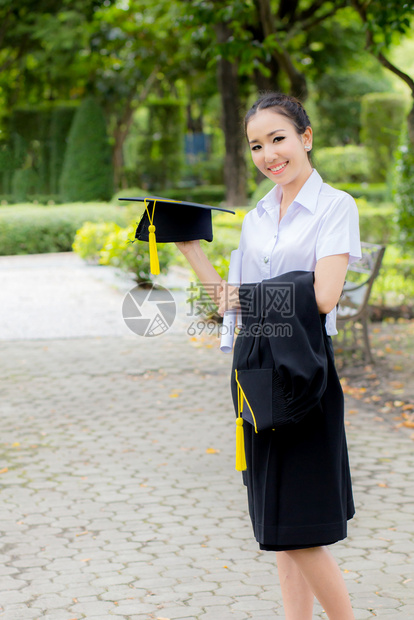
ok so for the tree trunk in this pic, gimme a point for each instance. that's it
(118, 160)
(123, 125)
(234, 164)
(410, 121)
(298, 84)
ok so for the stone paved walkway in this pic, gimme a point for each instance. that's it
(118, 495)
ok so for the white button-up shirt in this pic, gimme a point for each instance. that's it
(321, 221)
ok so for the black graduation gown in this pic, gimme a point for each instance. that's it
(297, 477)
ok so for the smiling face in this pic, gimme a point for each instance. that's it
(278, 150)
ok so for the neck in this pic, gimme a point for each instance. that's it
(289, 192)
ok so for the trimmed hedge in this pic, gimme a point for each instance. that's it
(377, 224)
(343, 164)
(373, 192)
(382, 118)
(28, 229)
(205, 194)
(403, 186)
(87, 172)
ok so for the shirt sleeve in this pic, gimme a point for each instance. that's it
(339, 230)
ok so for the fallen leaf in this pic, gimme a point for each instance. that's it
(82, 533)
(16, 444)
(353, 411)
(408, 423)
(212, 451)
(86, 560)
(4, 470)
(383, 485)
(408, 407)
(398, 403)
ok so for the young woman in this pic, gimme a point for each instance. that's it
(298, 481)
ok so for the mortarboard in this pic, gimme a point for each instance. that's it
(166, 221)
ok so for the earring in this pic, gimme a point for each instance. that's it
(308, 148)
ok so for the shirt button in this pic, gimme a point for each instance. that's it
(266, 259)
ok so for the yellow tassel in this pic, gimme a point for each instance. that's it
(240, 453)
(154, 262)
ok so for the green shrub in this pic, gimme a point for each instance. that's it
(337, 118)
(131, 192)
(377, 223)
(7, 165)
(262, 189)
(91, 238)
(403, 186)
(30, 131)
(120, 250)
(24, 182)
(29, 229)
(87, 168)
(373, 192)
(343, 164)
(204, 194)
(394, 285)
(61, 120)
(110, 244)
(382, 118)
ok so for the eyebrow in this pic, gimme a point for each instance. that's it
(269, 135)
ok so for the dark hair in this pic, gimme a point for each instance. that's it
(282, 104)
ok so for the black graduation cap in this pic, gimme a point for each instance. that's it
(166, 221)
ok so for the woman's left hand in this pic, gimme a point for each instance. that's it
(229, 298)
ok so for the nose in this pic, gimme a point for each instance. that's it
(269, 153)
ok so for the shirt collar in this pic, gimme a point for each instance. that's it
(307, 196)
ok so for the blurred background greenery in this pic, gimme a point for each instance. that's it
(102, 99)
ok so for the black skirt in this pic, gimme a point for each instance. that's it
(298, 480)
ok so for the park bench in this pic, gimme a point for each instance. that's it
(353, 309)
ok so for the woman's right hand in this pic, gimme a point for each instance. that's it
(186, 247)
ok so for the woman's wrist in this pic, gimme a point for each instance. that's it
(189, 248)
